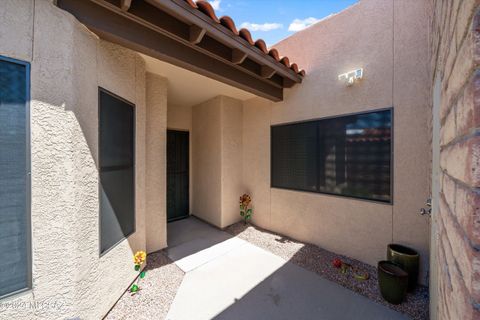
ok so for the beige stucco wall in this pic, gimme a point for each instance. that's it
(396, 74)
(179, 117)
(66, 70)
(217, 160)
(18, 16)
(156, 136)
(231, 153)
(206, 161)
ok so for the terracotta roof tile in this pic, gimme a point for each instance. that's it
(227, 22)
(245, 34)
(207, 8)
(260, 44)
(294, 67)
(274, 54)
(192, 3)
(285, 61)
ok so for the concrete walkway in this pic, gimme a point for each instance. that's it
(229, 278)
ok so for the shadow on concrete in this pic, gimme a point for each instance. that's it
(319, 261)
(292, 292)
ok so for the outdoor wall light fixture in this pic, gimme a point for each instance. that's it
(350, 77)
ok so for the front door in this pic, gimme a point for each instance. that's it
(177, 175)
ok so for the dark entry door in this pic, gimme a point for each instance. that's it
(177, 175)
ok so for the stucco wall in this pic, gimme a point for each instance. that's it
(16, 15)
(217, 160)
(206, 158)
(455, 61)
(179, 117)
(68, 272)
(231, 152)
(156, 135)
(391, 44)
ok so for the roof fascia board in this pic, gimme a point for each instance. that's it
(183, 11)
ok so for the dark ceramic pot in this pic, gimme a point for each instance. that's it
(393, 282)
(408, 259)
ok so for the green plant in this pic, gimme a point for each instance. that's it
(245, 211)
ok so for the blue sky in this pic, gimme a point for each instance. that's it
(274, 20)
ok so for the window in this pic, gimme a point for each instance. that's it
(346, 156)
(15, 265)
(117, 169)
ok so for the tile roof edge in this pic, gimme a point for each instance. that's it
(227, 22)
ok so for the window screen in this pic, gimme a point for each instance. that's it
(348, 156)
(117, 169)
(14, 177)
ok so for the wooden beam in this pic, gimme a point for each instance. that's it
(128, 33)
(238, 56)
(182, 10)
(143, 13)
(196, 34)
(125, 4)
(267, 72)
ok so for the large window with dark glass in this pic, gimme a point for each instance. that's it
(15, 263)
(347, 156)
(117, 169)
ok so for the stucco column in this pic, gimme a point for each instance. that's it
(156, 136)
(217, 160)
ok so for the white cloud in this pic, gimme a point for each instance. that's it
(261, 27)
(215, 4)
(299, 24)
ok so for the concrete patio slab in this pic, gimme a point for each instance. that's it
(203, 251)
(238, 280)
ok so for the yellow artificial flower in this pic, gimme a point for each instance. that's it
(139, 257)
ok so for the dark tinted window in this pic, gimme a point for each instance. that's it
(295, 156)
(117, 169)
(14, 179)
(348, 155)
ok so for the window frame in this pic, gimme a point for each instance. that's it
(28, 176)
(392, 148)
(101, 254)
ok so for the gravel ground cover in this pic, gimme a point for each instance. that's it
(157, 292)
(319, 260)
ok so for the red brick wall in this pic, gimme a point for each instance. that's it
(455, 46)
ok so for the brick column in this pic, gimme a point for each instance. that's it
(455, 59)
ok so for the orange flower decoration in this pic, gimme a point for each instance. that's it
(139, 257)
(245, 200)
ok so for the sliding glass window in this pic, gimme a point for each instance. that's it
(15, 264)
(347, 156)
(117, 169)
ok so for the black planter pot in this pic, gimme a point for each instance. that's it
(393, 282)
(408, 259)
